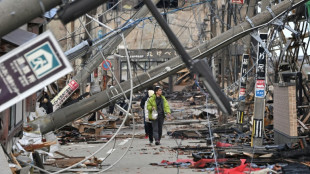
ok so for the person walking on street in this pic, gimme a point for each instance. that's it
(158, 102)
(148, 123)
(142, 105)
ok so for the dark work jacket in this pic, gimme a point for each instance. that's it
(144, 99)
(47, 106)
(160, 106)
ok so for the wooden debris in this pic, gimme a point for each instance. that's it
(33, 147)
(306, 118)
(67, 162)
(302, 124)
(15, 161)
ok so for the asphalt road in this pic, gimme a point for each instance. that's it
(138, 158)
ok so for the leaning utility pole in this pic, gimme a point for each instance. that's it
(244, 66)
(77, 110)
(213, 32)
(87, 36)
(106, 50)
(15, 13)
(260, 86)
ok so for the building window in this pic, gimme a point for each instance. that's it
(167, 4)
(160, 4)
(111, 3)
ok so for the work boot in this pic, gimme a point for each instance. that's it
(151, 140)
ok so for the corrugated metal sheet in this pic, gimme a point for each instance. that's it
(50, 14)
(18, 37)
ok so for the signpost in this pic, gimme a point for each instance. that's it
(106, 65)
(260, 92)
(31, 67)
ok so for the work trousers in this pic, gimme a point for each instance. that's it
(148, 128)
(158, 127)
(145, 125)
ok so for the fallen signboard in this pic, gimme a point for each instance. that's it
(64, 94)
(237, 1)
(30, 67)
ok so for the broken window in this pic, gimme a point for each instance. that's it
(160, 4)
(167, 4)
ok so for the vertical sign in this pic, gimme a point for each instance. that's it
(242, 88)
(30, 67)
(261, 68)
(243, 78)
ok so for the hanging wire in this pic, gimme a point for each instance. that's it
(140, 19)
(236, 83)
(179, 144)
(127, 114)
(209, 127)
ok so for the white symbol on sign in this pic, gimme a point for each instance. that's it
(260, 86)
(261, 68)
(40, 61)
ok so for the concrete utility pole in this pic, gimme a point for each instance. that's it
(106, 50)
(259, 102)
(87, 35)
(245, 62)
(104, 75)
(15, 13)
(63, 116)
(214, 63)
(223, 116)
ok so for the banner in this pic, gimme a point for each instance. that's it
(149, 53)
